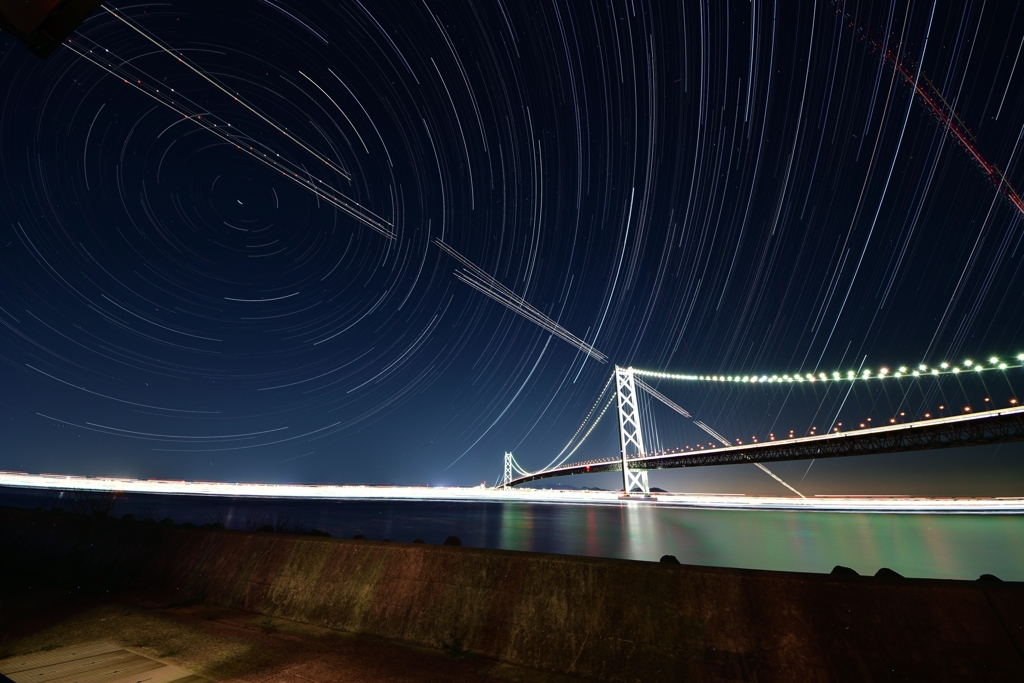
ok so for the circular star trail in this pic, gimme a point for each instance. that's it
(360, 241)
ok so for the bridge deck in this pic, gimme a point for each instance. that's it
(972, 429)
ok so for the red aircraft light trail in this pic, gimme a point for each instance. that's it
(930, 97)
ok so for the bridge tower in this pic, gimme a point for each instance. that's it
(506, 476)
(630, 435)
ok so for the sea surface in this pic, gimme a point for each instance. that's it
(934, 546)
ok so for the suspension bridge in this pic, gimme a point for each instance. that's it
(634, 461)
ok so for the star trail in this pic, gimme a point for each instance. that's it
(386, 242)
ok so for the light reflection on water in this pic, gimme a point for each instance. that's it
(938, 546)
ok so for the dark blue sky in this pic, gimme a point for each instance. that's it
(217, 257)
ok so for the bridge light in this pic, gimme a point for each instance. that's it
(1013, 401)
(993, 360)
(1002, 366)
(967, 409)
(956, 370)
(916, 373)
(892, 420)
(1020, 356)
(922, 367)
(883, 372)
(850, 374)
(867, 373)
(935, 371)
(835, 375)
(944, 366)
(979, 368)
(903, 369)
(823, 377)
(968, 363)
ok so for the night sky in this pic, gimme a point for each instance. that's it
(219, 249)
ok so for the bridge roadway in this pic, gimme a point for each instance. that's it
(971, 429)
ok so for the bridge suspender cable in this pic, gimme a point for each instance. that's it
(1001, 426)
(664, 399)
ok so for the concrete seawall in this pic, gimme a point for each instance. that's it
(614, 620)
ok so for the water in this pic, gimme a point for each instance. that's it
(934, 546)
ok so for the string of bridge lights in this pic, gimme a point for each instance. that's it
(903, 372)
(921, 371)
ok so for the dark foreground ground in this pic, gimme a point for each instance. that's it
(259, 606)
(219, 644)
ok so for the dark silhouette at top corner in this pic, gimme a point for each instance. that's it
(44, 24)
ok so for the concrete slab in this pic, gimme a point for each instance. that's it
(92, 662)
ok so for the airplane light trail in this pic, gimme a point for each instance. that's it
(931, 98)
(483, 282)
(215, 83)
(226, 131)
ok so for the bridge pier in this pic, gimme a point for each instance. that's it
(638, 480)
